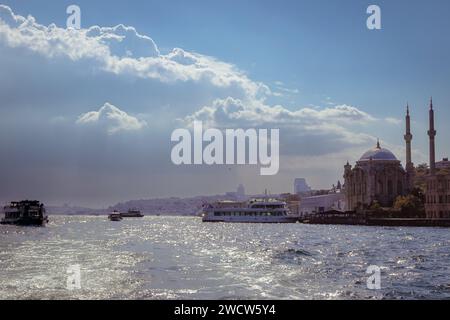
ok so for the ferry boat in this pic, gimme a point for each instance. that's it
(132, 213)
(25, 213)
(253, 211)
(115, 216)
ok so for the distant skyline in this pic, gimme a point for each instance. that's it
(86, 116)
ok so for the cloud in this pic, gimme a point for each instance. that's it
(112, 118)
(394, 121)
(90, 66)
(122, 50)
(124, 41)
(282, 91)
(225, 112)
(305, 131)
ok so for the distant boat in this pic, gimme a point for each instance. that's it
(25, 213)
(254, 211)
(115, 216)
(132, 213)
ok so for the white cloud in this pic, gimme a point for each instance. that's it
(112, 118)
(118, 64)
(124, 41)
(394, 121)
(305, 131)
(227, 111)
(122, 50)
(289, 91)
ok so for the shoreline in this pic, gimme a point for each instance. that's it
(349, 221)
(379, 222)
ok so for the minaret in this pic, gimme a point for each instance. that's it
(408, 139)
(348, 169)
(348, 187)
(432, 134)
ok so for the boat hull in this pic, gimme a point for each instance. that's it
(131, 215)
(25, 222)
(253, 211)
(25, 213)
(273, 220)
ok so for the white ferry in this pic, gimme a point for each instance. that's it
(253, 211)
(115, 216)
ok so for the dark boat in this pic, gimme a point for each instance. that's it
(115, 216)
(25, 213)
(132, 213)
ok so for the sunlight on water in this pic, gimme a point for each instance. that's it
(183, 258)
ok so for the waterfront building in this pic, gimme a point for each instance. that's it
(437, 190)
(378, 176)
(322, 203)
(444, 164)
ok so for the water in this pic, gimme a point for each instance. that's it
(183, 258)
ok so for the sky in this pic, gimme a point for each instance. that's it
(86, 115)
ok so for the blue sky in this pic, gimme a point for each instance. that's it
(315, 55)
(320, 47)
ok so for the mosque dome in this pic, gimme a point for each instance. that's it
(378, 153)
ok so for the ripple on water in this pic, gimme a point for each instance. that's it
(182, 258)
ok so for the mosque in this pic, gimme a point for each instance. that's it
(379, 176)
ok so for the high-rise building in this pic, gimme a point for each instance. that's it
(300, 186)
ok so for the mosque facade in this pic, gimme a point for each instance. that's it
(378, 176)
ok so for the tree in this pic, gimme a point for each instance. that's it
(422, 167)
(419, 181)
(420, 194)
(410, 204)
(375, 205)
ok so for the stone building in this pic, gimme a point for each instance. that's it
(378, 176)
(437, 193)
